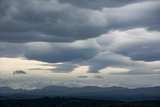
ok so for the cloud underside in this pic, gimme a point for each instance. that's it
(73, 33)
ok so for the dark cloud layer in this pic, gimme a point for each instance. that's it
(71, 33)
(52, 21)
(150, 52)
(62, 55)
(48, 21)
(65, 67)
(11, 50)
(55, 53)
(99, 4)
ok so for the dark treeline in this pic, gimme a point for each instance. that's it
(73, 102)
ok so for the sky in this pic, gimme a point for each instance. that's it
(79, 43)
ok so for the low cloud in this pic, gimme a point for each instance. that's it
(98, 77)
(37, 69)
(82, 76)
(19, 72)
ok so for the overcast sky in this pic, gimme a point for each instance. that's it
(79, 43)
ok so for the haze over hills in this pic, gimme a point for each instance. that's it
(107, 93)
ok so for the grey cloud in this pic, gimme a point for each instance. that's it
(4, 4)
(145, 14)
(2, 81)
(52, 21)
(146, 53)
(114, 51)
(37, 69)
(58, 68)
(139, 69)
(68, 53)
(138, 44)
(98, 77)
(109, 53)
(61, 55)
(11, 50)
(108, 59)
(99, 4)
(64, 68)
(146, 50)
(105, 59)
(19, 72)
(51, 52)
(127, 49)
(54, 53)
(62, 22)
(82, 76)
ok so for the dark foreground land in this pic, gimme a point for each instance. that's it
(73, 102)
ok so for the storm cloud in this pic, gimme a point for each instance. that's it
(99, 4)
(74, 33)
(62, 52)
(54, 21)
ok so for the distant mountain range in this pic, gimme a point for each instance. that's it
(107, 93)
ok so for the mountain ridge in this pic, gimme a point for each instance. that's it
(110, 93)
